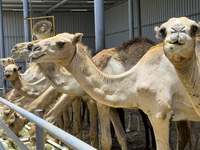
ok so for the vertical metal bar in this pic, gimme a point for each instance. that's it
(131, 21)
(2, 45)
(26, 23)
(39, 131)
(13, 136)
(54, 27)
(99, 25)
(139, 18)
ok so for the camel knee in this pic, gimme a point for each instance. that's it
(77, 132)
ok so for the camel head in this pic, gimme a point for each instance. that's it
(16, 122)
(5, 113)
(22, 50)
(178, 35)
(60, 48)
(11, 72)
(6, 61)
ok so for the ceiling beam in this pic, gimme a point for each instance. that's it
(55, 6)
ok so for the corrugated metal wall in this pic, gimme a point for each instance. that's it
(153, 13)
(64, 22)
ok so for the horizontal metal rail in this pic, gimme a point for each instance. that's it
(65, 137)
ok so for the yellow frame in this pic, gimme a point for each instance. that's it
(31, 19)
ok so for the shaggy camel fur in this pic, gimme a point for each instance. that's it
(181, 46)
(146, 86)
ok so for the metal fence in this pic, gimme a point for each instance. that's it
(65, 137)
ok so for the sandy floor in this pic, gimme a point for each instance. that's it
(134, 142)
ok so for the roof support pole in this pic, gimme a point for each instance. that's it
(139, 18)
(26, 23)
(2, 44)
(131, 21)
(99, 25)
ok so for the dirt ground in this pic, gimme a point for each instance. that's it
(134, 142)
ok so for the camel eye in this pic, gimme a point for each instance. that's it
(30, 47)
(194, 30)
(163, 32)
(11, 124)
(61, 44)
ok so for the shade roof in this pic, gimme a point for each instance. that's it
(66, 5)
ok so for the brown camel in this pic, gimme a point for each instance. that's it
(147, 85)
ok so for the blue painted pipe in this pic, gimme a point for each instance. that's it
(13, 136)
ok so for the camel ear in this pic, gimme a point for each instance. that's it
(16, 115)
(20, 67)
(13, 61)
(158, 33)
(77, 38)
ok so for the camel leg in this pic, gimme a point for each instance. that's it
(11, 95)
(119, 130)
(60, 123)
(23, 101)
(160, 123)
(104, 116)
(128, 129)
(182, 135)
(67, 122)
(93, 123)
(138, 125)
(77, 124)
(193, 135)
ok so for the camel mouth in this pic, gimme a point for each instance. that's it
(15, 55)
(6, 76)
(35, 59)
(177, 43)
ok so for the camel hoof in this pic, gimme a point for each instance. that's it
(128, 130)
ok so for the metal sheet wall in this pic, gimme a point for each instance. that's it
(153, 13)
(71, 22)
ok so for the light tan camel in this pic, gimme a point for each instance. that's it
(59, 78)
(32, 90)
(6, 61)
(77, 121)
(181, 46)
(146, 86)
(25, 101)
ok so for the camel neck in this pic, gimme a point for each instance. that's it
(61, 79)
(107, 89)
(189, 75)
(31, 90)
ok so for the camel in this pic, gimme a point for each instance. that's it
(77, 124)
(32, 90)
(181, 46)
(6, 61)
(104, 61)
(146, 85)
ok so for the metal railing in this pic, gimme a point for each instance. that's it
(65, 137)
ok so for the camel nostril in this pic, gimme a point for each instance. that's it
(7, 75)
